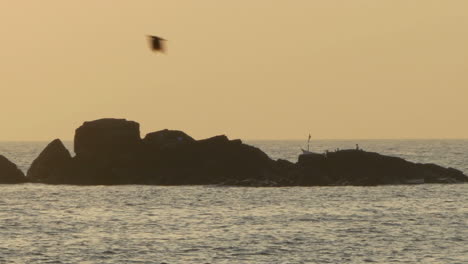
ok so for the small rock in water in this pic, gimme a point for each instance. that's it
(9, 172)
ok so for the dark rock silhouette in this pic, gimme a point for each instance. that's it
(212, 161)
(167, 138)
(110, 151)
(50, 164)
(357, 167)
(9, 172)
(312, 170)
(107, 138)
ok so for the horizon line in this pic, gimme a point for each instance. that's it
(266, 139)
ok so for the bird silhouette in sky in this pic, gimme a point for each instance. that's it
(157, 44)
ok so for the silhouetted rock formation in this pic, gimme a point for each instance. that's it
(312, 170)
(357, 167)
(211, 161)
(110, 151)
(164, 138)
(107, 138)
(50, 164)
(9, 172)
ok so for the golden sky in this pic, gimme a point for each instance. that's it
(252, 69)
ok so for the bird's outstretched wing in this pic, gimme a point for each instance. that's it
(156, 43)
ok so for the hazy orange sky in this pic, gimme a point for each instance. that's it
(252, 69)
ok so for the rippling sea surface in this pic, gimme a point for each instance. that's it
(209, 224)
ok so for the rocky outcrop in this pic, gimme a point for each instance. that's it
(212, 161)
(110, 151)
(107, 138)
(433, 173)
(51, 163)
(167, 138)
(312, 170)
(9, 172)
(357, 167)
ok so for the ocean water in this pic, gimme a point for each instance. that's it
(210, 224)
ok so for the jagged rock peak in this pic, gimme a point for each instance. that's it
(9, 172)
(50, 161)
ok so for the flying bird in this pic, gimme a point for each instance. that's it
(156, 44)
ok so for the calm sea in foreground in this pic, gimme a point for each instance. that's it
(210, 224)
